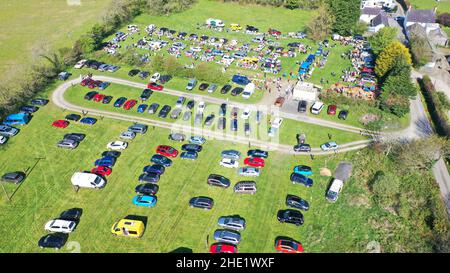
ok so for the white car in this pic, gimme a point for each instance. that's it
(317, 107)
(276, 123)
(246, 113)
(127, 135)
(329, 146)
(229, 163)
(117, 145)
(155, 77)
(201, 107)
(249, 171)
(80, 64)
(196, 48)
(58, 225)
(3, 139)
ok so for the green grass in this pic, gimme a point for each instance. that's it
(316, 135)
(339, 227)
(442, 6)
(28, 26)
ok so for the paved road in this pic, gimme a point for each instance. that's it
(58, 99)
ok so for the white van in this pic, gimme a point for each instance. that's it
(317, 107)
(248, 90)
(88, 180)
(334, 190)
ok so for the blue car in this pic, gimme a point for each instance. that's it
(106, 161)
(241, 80)
(141, 108)
(88, 120)
(159, 169)
(148, 201)
(189, 155)
(161, 160)
(103, 85)
(301, 179)
(199, 140)
(120, 101)
(303, 170)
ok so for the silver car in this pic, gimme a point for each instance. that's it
(249, 171)
(175, 113)
(177, 137)
(187, 115)
(8, 131)
(232, 222)
(227, 236)
(198, 119)
(212, 88)
(68, 144)
(127, 135)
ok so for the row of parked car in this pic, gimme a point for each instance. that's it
(60, 228)
(318, 106)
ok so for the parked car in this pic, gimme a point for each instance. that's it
(190, 105)
(203, 86)
(225, 89)
(180, 102)
(159, 169)
(141, 108)
(60, 123)
(133, 72)
(302, 148)
(107, 99)
(301, 179)
(73, 117)
(177, 137)
(229, 163)
(317, 107)
(143, 74)
(88, 121)
(102, 170)
(232, 222)
(218, 180)
(115, 154)
(149, 178)
(138, 128)
(73, 214)
(53, 240)
(127, 135)
(164, 111)
(245, 187)
(222, 248)
(189, 155)
(221, 123)
(233, 154)
(191, 84)
(148, 201)
(227, 236)
(279, 101)
(117, 145)
(58, 225)
(147, 189)
(13, 177)
(258, 153)
(303, 170)
(29, 109)
(129, 104)
(161, 160)
(90, 95)
(331, 145)
(155, 87)
(106, 161)
(201, 202)
(249, 171)
(153, 108)
(39, 101)
(343, 114)
(3, 139)
(166, 150)
(67, 144)
(146, 93)
(155, 77)
(192, 147)
(223, 110)
(331, 110)
(290, 216)
(128, 228)
(296, 202)
(302, 106)
(120, 101)
(187, 115)
(212, 88)
(8, 131)
(237, 91)
(245, 114)
(175, 113)
(75, 136)
(254, 162)
(199, 140)
(286, 245)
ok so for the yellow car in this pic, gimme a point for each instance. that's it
(129, 228)
(235, 27)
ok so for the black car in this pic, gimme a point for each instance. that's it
(75, 136)
(147, 189)
(149, 178)
(201, 202)
(236, 91)
(192, 147)
(190, 104)
(114, 154)
(95, 65)
(302, 106)
(146, 93)
(258, 153)
(223, 110)
(73, 214)
(39, 101)
(221, 123)
(164, 111)
(218, 180)
(165, 78)
(203, 86)
(159, 169)
(120, 101)
(144, 74)
(234, 125)
(14, 177)
(29, 109)
(53, 240)
(73, 117)
(90, 95)
(153, 108)
(209, 119)
(133, 72)
(297, 202)
(343, 114)
(107, 99)
(297, 178)
(290, 216)
(302, 148)
(225, 89)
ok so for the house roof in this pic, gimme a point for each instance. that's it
(421, 16)
(370, 11)
(380, 19)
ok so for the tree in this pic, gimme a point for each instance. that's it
(320, 25)
(395, 104)
(292, 4)
(398, 79)
(444, 19)
(346, 13)
(420, 49)
(386, 188)
(382, 39)
(172, 66)
(86, 44)
(157, 63)
(387, 57)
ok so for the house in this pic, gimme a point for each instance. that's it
(368, 14)
(423, 22)
(387, 4)
(378, 22)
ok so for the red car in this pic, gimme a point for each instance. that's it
(93, 84)
(274, 32)
(129, 104)
(60, 123)
(222, 248)
(99, 97)
(254, 162)
(86, 81)
(332, 110)
(102, 170)
(166, 150)
(155, 87)
(288, 246)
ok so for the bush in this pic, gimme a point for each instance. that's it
(435, 108)
(444, 19)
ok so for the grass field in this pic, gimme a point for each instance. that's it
(29, 25)
(316, 135)
(171, 224)
(442, 5)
